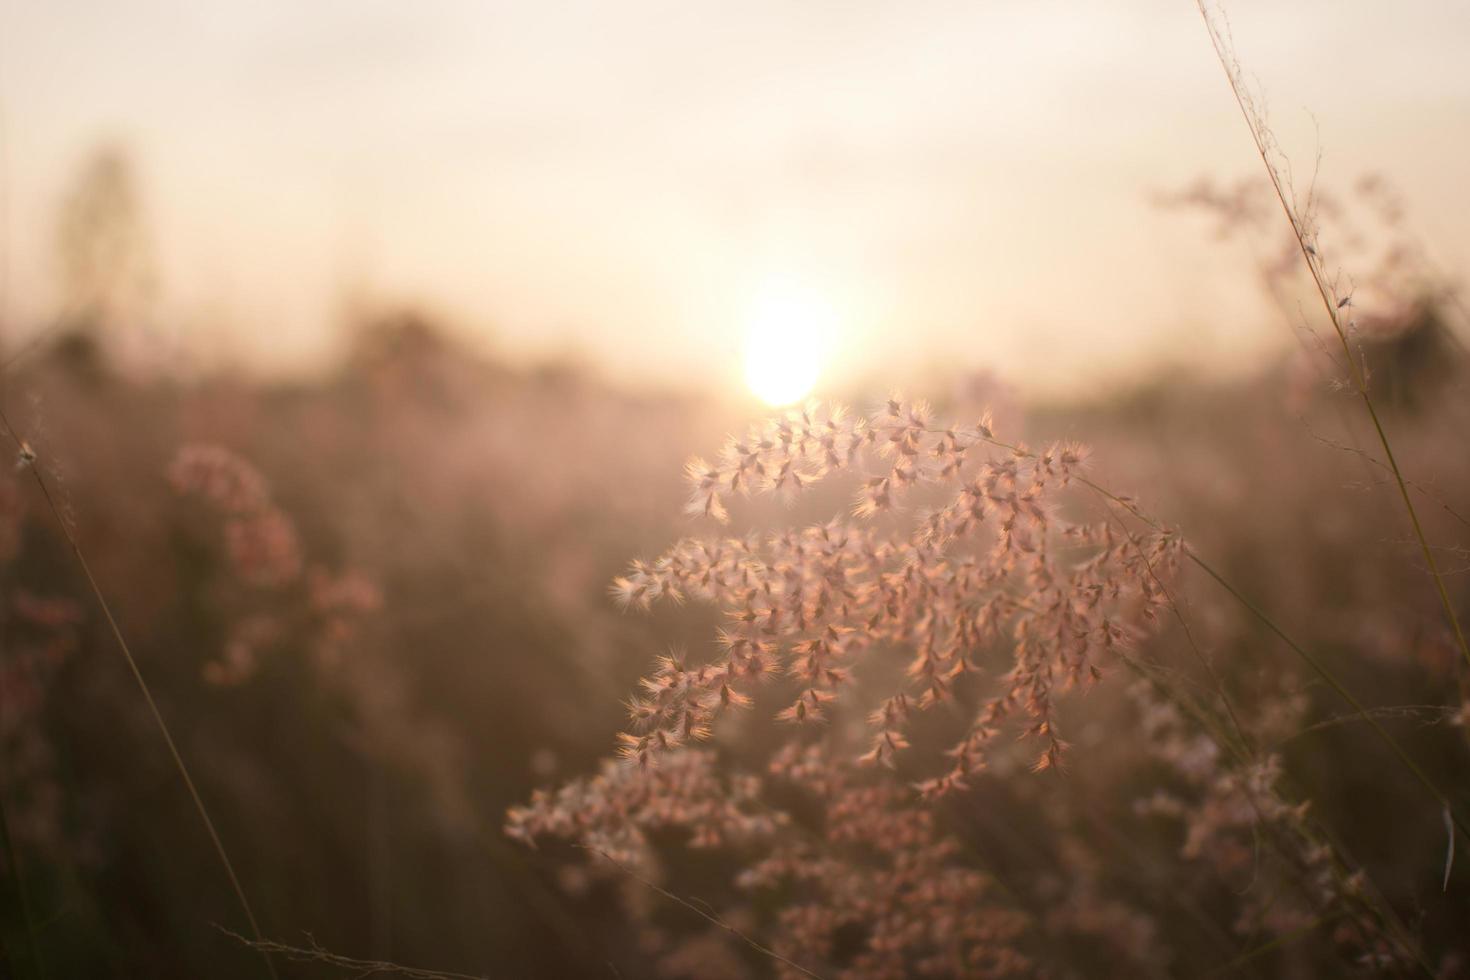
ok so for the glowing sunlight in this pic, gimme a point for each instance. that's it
(789, 332)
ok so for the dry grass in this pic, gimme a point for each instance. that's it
(928, 697)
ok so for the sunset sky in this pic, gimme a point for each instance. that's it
(959, 184)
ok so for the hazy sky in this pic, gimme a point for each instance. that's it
(964, 183)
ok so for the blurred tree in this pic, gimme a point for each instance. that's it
(104, 252)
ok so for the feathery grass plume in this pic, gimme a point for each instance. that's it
(957, 554)
(879, 868)
(264, 553)
(989, 563)
(260, 540)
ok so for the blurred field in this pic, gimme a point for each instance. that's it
(359, 756)
(1113, 629)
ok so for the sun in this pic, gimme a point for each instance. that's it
(788, 334)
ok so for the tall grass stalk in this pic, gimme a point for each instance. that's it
(28, 459)
(1332, 302)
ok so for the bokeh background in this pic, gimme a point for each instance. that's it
(453, 289)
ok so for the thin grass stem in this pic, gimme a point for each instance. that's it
(147, 692)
